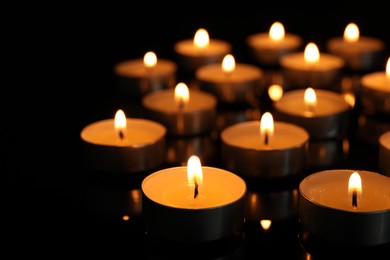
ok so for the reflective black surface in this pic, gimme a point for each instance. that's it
(54, 206)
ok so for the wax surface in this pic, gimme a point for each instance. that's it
(330, 189)
(242, 73)
(377, 81)
(328, 103)
(263, 41)
(325, 63)
(164, 100)
(137, 68)
(247, 135)
(215, 47)
(139, 132)
(170, 187)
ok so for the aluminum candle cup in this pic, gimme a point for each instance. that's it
(243, 152)
(241, 85)
(329, 119)
(170, 210)
(326, 208)
(136, 80)
(271, 205)
(384, 153)
(143, 147)
(197, 116)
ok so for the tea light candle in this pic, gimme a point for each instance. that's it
(359, 52)
(200, 51)
(323, 113)
(310, 68)
(269, 47)
(384, 153)
(141, 76)
(181, 111)
(230, 82)
(193, 203)
(375, 88)
(264, 149)
(346, 207)
(123, 145)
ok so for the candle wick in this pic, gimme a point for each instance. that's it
(354, 199)
(121, 135)
(266, 138)
(196, 190)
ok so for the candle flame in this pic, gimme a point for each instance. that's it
(275, 92)
(201, 38)
(388, 68)
(265, 223)
(150, 59)
(194, 170)
(311, 54)
(310, 99)
(351, 33)
(276, 31)
(120, 123)
(354, 187)
(228, 63)
(266, 128)
(182, 94)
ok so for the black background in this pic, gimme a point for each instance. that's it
(61, 71)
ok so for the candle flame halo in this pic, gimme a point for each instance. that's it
(150, 59)
(120, 122)
(201, 38)
(275, 92)
(388, 68)
(311, 53)
(310, 99)
(182, 94)
(276, 32)
(266, 128)
(194, 171)
(265, 224)
(228, 63)
(351, 33)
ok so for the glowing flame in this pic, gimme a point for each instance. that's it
(228, 63)
(351, 33)
(311, 54)
(275, 92)
(120, 123)
(194, 171)
(388, 68)
(354, 187)
(276, 31)
(266, 128)
(310, 99)
(350, 98)
(201, 38)
(150, 59)
(265, 223)
(182, 94)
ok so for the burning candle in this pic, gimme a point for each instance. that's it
(310, 68)
(141, 76)
(229, 81)
(264, 149)
(346, 207)
(123, 144)
(182, 111)
(384, 153)
(193, 203)
(360, 53)
(269, 47)
(375, 90)
(323, 113)
(194, 53)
